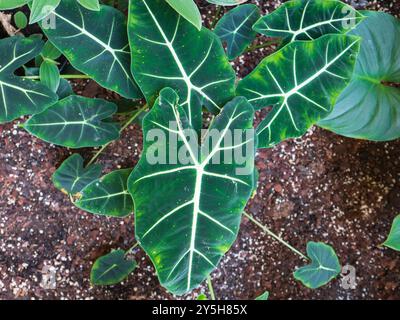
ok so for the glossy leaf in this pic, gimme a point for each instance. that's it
(96, 48)
(12, 4)
(324, 266)
(187, 9)
(40, 9)
(308, 20)
(71, 177)
(301, 82)
(393, 240)
(50, 51)
(20, 20)
(50, 75)
(235, 28)
(227, 2)
(75, 122)
(108, 195)
(263, 296)
(370, 99)
(111, 268)
(193, 218)
(20, 96)
(168, 51)
(90, 4)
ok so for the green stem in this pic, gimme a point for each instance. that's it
(131, 248)
(260, 46)
(127, 123)
(210, 288)
(273, 235)
(63, 76)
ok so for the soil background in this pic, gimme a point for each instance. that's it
(321, 187)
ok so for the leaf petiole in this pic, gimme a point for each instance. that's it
(210, 288)
(63, 76)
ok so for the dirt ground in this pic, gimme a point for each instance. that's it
(321, 187)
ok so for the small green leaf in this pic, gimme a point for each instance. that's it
(187, 9)
(393, 240)
(108, 195)
(20, 20)
(40, 9)
(50, 51)
(227, 2)
(235, 28)
(71, 177)
(202, 296)
(263, 296)
(93, 5)
(50, 75)
(75, 122)
(111, 269)
(324, 266)
(12, 4)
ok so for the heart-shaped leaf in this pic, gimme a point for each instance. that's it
(370, 97)
(235, 28)
(108, 195)
(96, 48)
(324, 266)
(301, 82)
(308, 20)
(111, 269)
(168, 51)
(19, 96)
(187, 9)
(393, 240)
(71, 177)
(193, 218)
(75, 122)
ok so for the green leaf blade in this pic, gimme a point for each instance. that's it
(393, 240)
(93, 5)
(40, 9)
(50, 75)
(12, 4)
(263, 296)
(187, 9)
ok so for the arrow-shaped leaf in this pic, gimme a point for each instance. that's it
(193, 218)
(302, 82)
(96, 43)
(71, 177)
(308, 20)
(75, 122)
(235, 28)
(19, 96)
(168, 51)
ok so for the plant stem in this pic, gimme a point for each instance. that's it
(127, 123)
(273, 235)
(63, 76)
(131, 248)
(210, 288)
(260, 46)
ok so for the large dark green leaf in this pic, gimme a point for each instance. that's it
(235, 28)
(71, 177)
(75, 122)
(187, 215)
(168, 51)
(19, 96)
(369, 108)
(308, 20)
(393, 240)
(108, 195)
(301, 82)
(96, 43)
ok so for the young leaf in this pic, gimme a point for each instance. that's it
(263, 296)
(308, 20)
(50, 75)
(202, 296)
(168, 51)
(51, 52)
(187, 9)
(19, 96)
(193, 218)
(20, 20)
(370, 98)
(235, 28)
(393, 240)
(108, 195)
(12, 4)
(94, 47)
(302, 82)
(40, 9)
(111, 269)
(75, 122)
(90, 4)
(324, 266)
(227, 2)
(71, 177)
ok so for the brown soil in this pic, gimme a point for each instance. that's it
(321, 187)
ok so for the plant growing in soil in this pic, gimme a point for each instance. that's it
(190, 188)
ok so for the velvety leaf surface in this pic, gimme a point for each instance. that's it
(324, 266)
(308, 20)
(20, 96)
(235, 28)
(193, 218)
(96, 43)
(393, 240)
(301, 82)
(187, 9)
(370, 98)
(111, 268)
(71, 177)
(75, 122)
(168, 51)
(108, 195)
